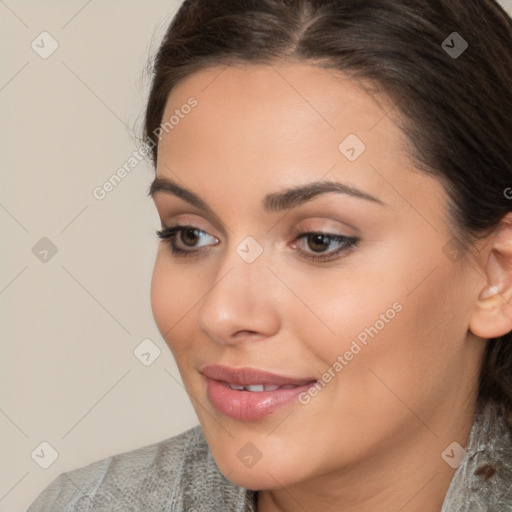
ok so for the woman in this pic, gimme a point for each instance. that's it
(333, 180)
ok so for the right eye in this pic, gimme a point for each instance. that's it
(188, 235)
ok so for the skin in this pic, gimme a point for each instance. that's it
(372, 438)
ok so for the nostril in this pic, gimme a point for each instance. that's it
(247, 333)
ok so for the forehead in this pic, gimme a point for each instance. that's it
(293, 100)
(261, 127)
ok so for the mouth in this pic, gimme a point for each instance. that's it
(248, 394)
(258, 388)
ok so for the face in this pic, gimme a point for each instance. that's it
(341, 305)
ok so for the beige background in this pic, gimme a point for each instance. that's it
(70, 323)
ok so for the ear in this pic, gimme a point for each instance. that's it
(492, 316)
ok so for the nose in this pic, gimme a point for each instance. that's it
(240, 305)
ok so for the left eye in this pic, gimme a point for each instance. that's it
(320, 242)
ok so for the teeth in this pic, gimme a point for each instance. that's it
(258, 388)
(255, 387)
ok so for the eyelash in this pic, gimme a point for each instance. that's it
(350, 243)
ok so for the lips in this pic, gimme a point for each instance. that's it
(248, 394)
(258, 388)
(251, 376)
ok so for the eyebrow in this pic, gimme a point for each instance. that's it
(274, 202)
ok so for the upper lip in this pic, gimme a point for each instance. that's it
(248, 376)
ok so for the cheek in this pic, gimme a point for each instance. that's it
(333, 308)
(161, 303)
(172, 298)
(413, 357)
(392, 323)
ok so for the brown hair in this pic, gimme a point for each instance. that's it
(455, 110)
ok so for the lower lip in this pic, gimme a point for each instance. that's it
(250, 405)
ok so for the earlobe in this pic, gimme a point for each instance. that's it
(492, 315)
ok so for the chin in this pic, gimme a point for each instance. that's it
(269, 472)
(259, 478)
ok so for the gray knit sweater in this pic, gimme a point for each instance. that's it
(179, 474)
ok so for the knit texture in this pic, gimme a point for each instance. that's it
(483, 481)
(179, 474)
